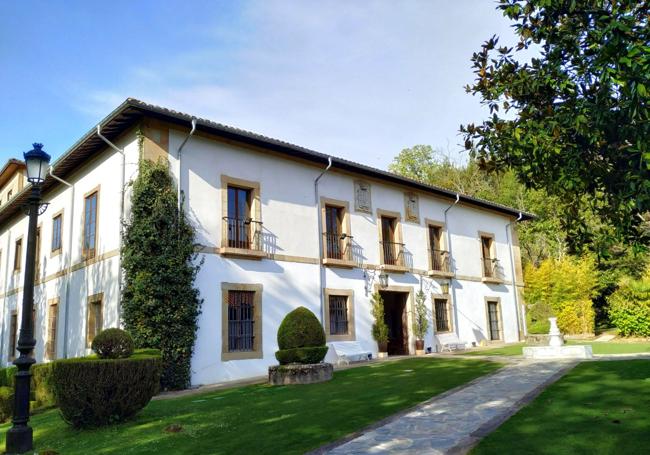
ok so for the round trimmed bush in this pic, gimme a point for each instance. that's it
(301, 338)
(93, 392)
(113, 344)
(6, 402)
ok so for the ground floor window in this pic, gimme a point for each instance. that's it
(441, 312)
(494, 325)
(339, 315)
(13, 335)
(241, 321)
(52, 317)
(94, 319)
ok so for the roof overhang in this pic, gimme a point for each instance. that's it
(132, 111)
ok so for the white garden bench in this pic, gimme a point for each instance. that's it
(452, 343)
(350, 350)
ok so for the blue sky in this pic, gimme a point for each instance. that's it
(361, 80)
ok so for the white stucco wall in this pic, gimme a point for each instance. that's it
(290, 279)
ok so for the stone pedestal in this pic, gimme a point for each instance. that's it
(555, 337)
(558, 352)
(300, 373)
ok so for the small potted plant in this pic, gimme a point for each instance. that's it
(379, 327)
(420, 322)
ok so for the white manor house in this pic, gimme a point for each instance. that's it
(279, 226)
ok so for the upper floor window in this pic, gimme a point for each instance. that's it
(336, 233)
(9, 195)
(439, 256)
(241, 209)
(487, 256)
(239, 218)
(57, 222)
(90, 225)
(18, 254)
(392, 248)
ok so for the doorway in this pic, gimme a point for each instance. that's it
(396, 319)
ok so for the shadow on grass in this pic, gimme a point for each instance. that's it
(598, 408)
(267, 420)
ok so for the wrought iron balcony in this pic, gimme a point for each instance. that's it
(244, 233)
(440, 261)
(338, 246)
(393, 253)
(492, 269)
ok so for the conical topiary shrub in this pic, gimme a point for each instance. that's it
(301, 338)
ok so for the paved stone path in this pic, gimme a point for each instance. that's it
(454, 422)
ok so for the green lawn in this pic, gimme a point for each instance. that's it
(598, 408)
(598, 347)
(263, 419)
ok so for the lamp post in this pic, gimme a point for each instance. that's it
(19, 436)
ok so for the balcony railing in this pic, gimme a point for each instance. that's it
(393, 253)
(491, 268)
(440, 260)
(244, 233)
(338, 246)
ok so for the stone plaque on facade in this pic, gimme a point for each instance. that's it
(362, 201)
(412, 207)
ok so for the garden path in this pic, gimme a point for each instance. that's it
(454, 422)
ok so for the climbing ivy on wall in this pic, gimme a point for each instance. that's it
(160, 303)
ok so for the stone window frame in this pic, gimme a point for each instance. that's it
(487, 300)
(257, 352)
(398, 238)
(450, 313)
(84, 252)
(18, 258)
(346, 226)
(407, 197)
(56, 252)
(13, 334)
(357, 207)
(493, 256)
(256, 212)
(91, 300)
(349, 293)
(51, 345)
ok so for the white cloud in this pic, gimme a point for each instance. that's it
(360, 80)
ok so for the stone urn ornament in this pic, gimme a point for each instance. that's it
(555, 337)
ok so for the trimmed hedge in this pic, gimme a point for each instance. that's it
(113, 344)
(301, 355)
(300, 328)
(301, 338)
(93, 392)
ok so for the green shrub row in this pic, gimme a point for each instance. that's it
(629, 306)
(43, 390)
(91, 392)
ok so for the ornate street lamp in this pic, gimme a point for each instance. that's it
(19, 436)
(383, 279)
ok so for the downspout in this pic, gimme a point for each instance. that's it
(321, 269)
(66, 310)
(451, 265)
(4, 299)
(180, 168)
(122, 183)
(514, 277)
